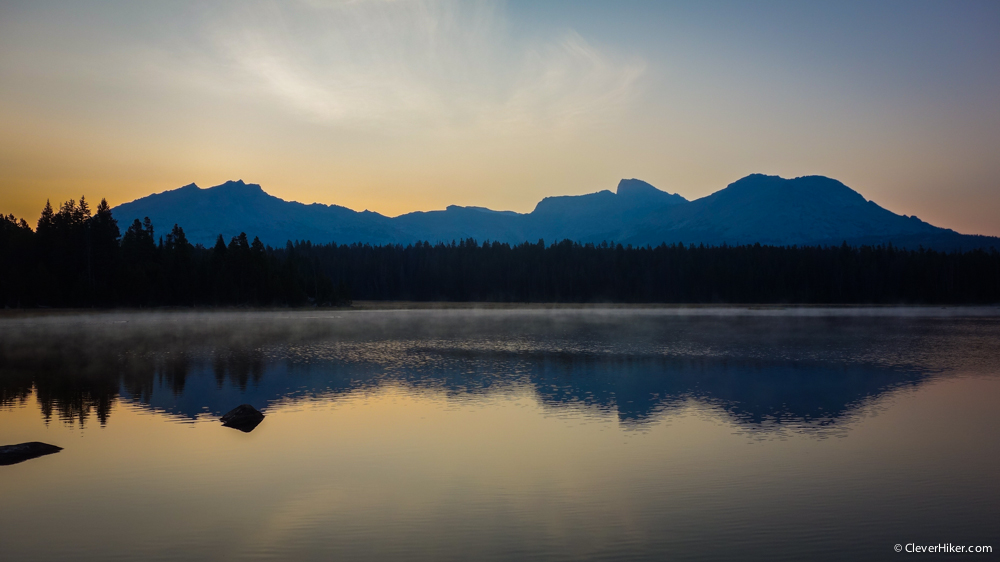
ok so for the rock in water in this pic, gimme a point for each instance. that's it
(243, 417)
(13, 454)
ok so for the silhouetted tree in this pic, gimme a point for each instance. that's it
(180, 277)
(104, 253)
(138, 263)
(17, 247)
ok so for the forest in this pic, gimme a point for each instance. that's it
(78, 258)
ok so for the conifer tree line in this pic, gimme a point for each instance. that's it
(74, 258)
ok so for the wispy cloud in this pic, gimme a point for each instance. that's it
(422, 64)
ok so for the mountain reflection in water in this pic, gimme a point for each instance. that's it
(804, 371)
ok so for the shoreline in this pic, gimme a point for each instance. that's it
(988, 309)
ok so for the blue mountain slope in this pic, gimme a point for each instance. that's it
(601, 216)
(591, 218)
(459, 223)
(808, 210)
(766, 209)
(235, 207)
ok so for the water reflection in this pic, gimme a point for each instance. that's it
(496, 435)
(765, 373)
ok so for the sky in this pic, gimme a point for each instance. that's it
(404, 105)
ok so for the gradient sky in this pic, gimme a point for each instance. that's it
(396, 106)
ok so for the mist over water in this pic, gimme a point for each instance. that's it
(549, 434)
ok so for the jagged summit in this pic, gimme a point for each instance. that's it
(633, 185)
(238, 185)
(634, 189)
(629, 187)
(807, 210)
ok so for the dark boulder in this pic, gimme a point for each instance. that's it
(13, 454)
(243, 417)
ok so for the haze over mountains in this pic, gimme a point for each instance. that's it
(810, 210)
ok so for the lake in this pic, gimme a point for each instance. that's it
(509, 434)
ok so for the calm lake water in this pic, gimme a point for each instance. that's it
(598, 434)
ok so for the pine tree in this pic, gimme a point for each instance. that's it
(104, 243)
(180, 274)
(139, 268)
(46, 220)
(218, 272)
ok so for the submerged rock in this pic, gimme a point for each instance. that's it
(243, 417)
(13, 454)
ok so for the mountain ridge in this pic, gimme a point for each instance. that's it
(808, 210)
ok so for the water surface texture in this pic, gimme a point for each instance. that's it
(595, 434)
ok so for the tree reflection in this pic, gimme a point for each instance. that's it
(636, 390)
(781, 379)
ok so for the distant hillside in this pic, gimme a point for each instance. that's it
(235, 207)
(810, 210)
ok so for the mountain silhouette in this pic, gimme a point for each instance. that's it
(809, 210)
(235, 207)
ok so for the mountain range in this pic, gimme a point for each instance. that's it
(809, 210)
